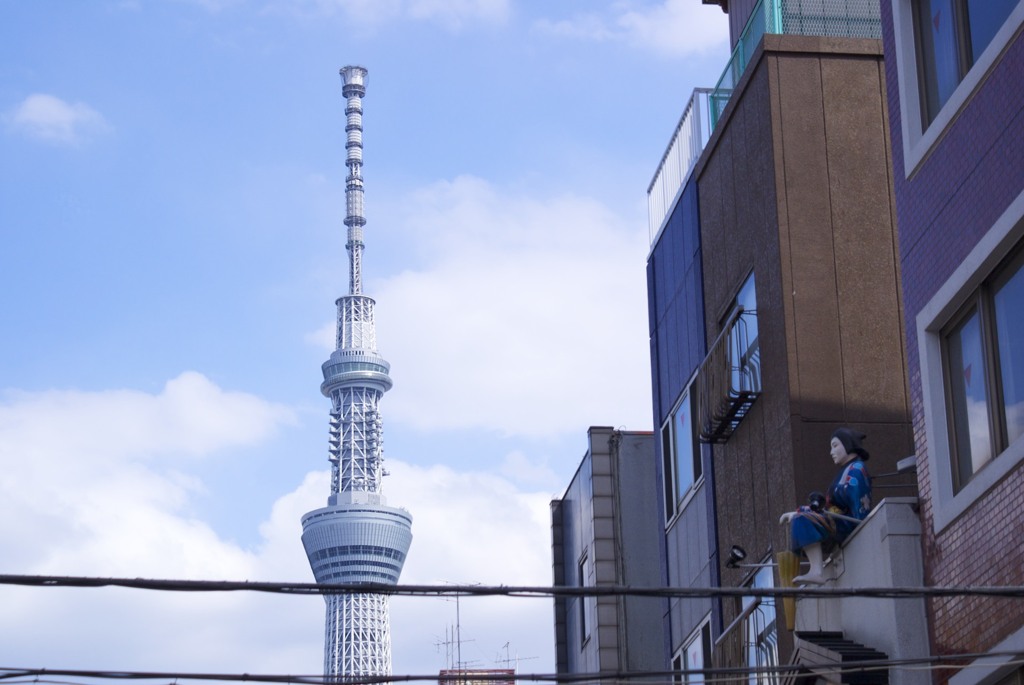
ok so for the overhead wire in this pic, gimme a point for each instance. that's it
(179, 585)
(711, 676)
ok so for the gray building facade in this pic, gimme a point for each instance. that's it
(605, 532)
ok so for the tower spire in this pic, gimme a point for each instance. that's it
(356, 538)
(354, 89)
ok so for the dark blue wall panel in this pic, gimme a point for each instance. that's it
(674, 303)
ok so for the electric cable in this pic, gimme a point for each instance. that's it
(711, 676)
(1010, 592)
(22, 676)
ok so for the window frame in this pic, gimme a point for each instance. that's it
(934, 319)
(918, 139)
(756, 642)
(730, 374)
(975, 306)
(677, 669)
(752, 351)
(676, 501)
(982, 303)
(681, 661)
(581, 578)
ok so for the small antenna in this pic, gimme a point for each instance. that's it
(509, 661)
(453, 642)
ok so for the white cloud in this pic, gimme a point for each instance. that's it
(472, 528)
(96, 503)
(74, 462)
(214, 5)
(361, 11)
(518, 467)
(82, 493)
(581, 27)
(673, 28)
(190, 417)
(676, 28)
(461, 519)
(469, 528)
(50, 119)
(527, 318)
(453, 15)
(323, 337)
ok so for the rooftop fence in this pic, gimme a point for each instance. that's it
(688, 141)
(830, 18)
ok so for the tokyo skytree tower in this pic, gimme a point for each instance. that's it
(356, 538)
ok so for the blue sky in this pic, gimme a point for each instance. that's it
(171, 204)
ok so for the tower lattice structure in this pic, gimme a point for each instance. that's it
(356, 538)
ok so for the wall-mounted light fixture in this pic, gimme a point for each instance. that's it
(737, 554)
(903, 467)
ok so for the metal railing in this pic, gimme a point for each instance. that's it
(851, 18)
(729, 380)
(831, 18)
(688, 141)
(847, 18)
(750, 641)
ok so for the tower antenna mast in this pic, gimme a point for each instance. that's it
(356, 538)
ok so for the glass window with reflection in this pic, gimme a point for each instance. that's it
(681, 452)
(951, 35)
(687, 451)
(762, 638)
(581, 579)
(984, 368)
(744, 348)
(697, 655)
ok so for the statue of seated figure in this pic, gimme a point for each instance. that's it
(817, 527)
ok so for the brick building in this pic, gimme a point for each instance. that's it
(954, 75)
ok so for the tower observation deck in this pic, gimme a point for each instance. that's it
(356, 538)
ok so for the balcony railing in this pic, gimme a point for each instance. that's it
(848, 18)
(688, 141)
(750, 641)
(730, 377)
(832, 18)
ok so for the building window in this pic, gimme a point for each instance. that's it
(984, 353)
(951, 36)
(744, 349)
(681, 453)
(751, 640)
(944, 49)
(972, 370)
(696, 656)
(684, 447)
(581, 581)
(761, 637)
(730, 377)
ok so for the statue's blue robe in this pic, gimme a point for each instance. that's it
(849, 495)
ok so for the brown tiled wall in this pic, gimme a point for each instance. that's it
(795, 185)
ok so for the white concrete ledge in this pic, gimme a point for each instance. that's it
(884, 551)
